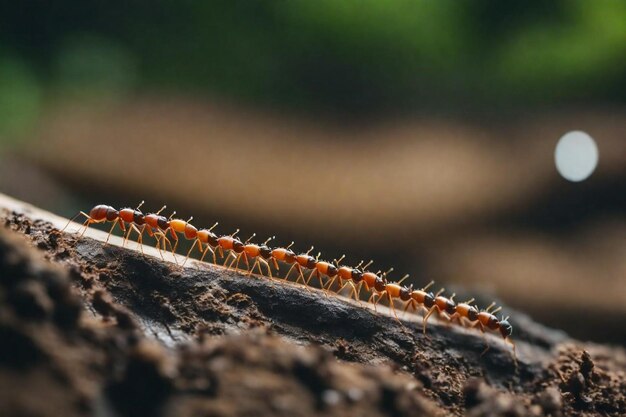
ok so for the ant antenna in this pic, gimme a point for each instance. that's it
(430, 284)
(213, 227)
(162, 208)
(250, 238)
(403, 278)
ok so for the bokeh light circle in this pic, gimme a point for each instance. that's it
(576, 156)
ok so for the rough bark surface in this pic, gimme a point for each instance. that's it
(94, 329)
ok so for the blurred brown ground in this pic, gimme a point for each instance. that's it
(459, 202)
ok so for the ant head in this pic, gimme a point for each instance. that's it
(405, 292)
(138, 217)
(429, 299)
(472, 313)
(237, 245)
(379, 283)
(310, 262)
(450, 306)
(357, 275)
(493, 323)
(265, 252)
(506, 329)
(163, 223)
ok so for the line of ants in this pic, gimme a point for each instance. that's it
(206, 241)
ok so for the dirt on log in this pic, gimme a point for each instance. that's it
(88, 329)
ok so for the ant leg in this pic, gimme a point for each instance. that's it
(293, 265)
(87, 223)
(320, 279)
(310, 276)
(430, 312)
(227, 257)
(158, 243)
(410, 303)
(341, 286)
(247, 262)
(393, 308)
(208, 249)
(456, 316)
(245, 257)
(175, 245)
(254, 265)
(330, 284)
(352, 290)
(514, 353)
(267, 265)
(301, 275)
(127, 234)
(369, 300)
(189, 251)
(106, 242)
(80, 213)
(140, 239)
(275, 264)
(380, 296)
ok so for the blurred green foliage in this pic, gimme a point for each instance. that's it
(20, 98)
(353, 56)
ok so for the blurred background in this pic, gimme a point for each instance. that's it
(417, 133)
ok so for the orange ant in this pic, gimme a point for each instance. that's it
(487, 318)
(209, 238)
(260, 253)
(98, 214)
(350, 276)
(324, 268)
(425, 300)
(285, 255)
(444, 307)
(391, 291)
(378, 285)
(364, 278)
(465, 312)
(184, 227)
(203, 236)
(303, 260)
(155, 225)
(229, 243)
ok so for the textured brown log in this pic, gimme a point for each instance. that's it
(107, 330)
